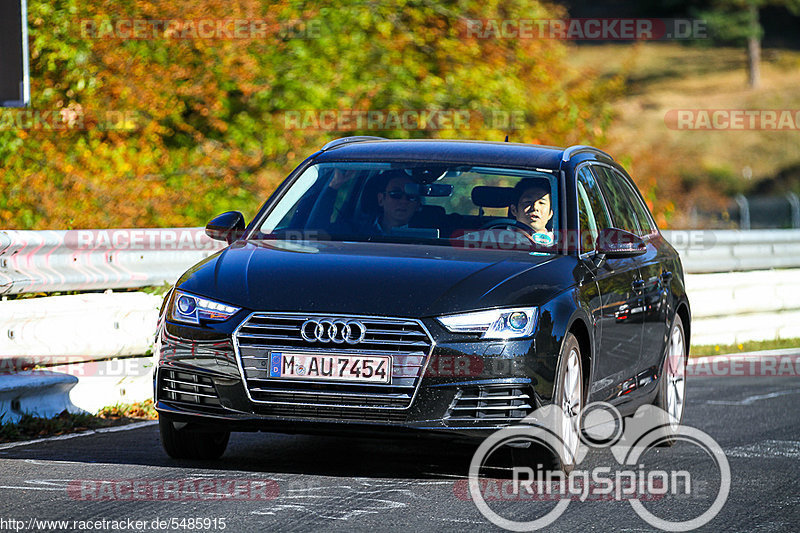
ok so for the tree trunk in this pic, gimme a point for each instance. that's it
(754, 49)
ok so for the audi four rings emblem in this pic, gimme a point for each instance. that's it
(336, 331)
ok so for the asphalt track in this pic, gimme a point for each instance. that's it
(322, 484)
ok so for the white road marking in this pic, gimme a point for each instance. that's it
(334, 510)
(752, 399)
(49, 484)
(29, 488)
(367, 496)
(460, 520)
(768, 449)
(114, 429)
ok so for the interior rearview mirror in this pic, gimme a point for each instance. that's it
(441, 190)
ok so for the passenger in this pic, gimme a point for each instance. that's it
(532, 207)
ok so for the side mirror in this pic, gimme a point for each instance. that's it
(226, 227)
(617, 243)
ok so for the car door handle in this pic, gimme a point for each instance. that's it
(638, 285)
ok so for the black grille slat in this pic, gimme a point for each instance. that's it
(262, 333)
(404, 385)
(187, 393)
(267, 337)
(283, 397)
(334, 413)
(311, 348)
(495, 404)
(187, 389)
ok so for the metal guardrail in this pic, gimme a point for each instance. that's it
(75, 260)
(704, 251)
(76, 327)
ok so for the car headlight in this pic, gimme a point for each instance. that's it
(494, 323)
(193, 309)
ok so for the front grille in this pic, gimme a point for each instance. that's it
(495, 404)
(405, 340)
(188, 389)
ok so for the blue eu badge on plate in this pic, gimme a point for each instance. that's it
(275, 365)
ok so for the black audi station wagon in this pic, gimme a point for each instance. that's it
(424, 287)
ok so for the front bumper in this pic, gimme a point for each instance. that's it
(466, 388)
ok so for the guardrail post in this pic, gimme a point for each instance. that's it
(744, 211)
(794, 201)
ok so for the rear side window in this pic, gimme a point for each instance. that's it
(592, 212)
(646, 223)
(619, 200)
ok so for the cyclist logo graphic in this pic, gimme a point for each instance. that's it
(549, 428)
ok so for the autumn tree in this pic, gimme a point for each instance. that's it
(739, 20)
(173, 127)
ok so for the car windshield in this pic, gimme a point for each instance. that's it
(412, 203)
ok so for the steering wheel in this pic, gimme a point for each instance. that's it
(511, 223)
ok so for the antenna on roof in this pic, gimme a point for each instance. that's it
(506, 138)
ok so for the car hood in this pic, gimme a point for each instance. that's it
(374, 278)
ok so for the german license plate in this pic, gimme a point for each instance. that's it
(359, 368)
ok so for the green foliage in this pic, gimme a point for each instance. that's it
(738, 20)
(744, 347)
(34, 427)
(143, 410)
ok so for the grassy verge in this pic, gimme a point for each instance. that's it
(744, 347)
(32, 427)
(678, 169)
(158, 290)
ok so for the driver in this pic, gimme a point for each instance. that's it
(397, 206)
(532, 207)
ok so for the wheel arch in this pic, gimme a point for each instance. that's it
(563, 315)
(580, 330)
(683, 311)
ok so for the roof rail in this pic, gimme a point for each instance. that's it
(578, 148)
(352, 139)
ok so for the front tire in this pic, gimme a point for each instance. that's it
(187, 442)
(672, 385)
(570, 398)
